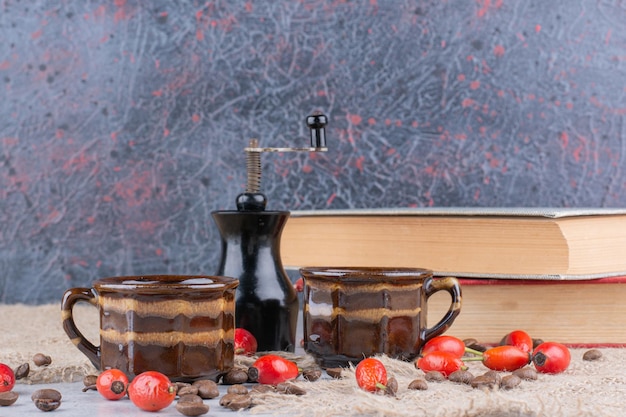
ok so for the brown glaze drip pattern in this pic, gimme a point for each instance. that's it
(370, 287)
(166, 339)
(371, 315)
(167, 309)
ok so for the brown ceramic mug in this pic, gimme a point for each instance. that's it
(353, 313)
(181, 326)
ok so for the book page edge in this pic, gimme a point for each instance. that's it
(548, 212)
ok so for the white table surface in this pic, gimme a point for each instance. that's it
(92, 404)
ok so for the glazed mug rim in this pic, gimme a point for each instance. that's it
(366, 273)
(158, 282)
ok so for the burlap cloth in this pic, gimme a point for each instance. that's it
(585, 389)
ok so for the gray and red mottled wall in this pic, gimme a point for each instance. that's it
(123, 122)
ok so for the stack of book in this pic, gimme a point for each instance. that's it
(559, 274)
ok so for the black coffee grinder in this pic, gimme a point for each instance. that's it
(266, 303)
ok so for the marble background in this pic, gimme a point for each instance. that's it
(123, 122)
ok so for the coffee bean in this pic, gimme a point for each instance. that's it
(334, 372)
(474, 344)
(46, 399)
(526, 373)
(434, 376)
(495, 375)
(46, 393)
(180, 385)
(392, 387)
(42, 360)
(418, 384)
(253, 374)
(190, 398)
(592, 355)
(236, 402)
(237, 389)
(22, 371)
(537, 342)
(461, 377)
(235, 376)
(483, 381)
(8, 397)
(510, 381)
(207, 389)
(187, 390)
(192, 408)
(489, 379)
(90, 380)
(263, 388)
(289, 388)
(311, 374)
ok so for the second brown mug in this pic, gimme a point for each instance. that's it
(352, 313)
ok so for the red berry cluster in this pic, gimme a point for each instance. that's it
(447, 354)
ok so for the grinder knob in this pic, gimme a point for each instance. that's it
(316, 123)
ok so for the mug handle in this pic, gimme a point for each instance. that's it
(451, 285)
(70, 298)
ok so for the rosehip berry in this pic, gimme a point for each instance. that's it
(245, 342)
(112, 384)
(551, 358)
(151, 391)
(273, 370)
(519, 338)
(444, 362)
(371, 375)
(7, 378)
(445, 343)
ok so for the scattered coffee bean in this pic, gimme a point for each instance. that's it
(434, 376)
(42, 360)
(263, 388)
(418, 384)
(192, 408)
(461, 377)
(207, 389)
(236, 402)
(489, 379)
(90, 381)
(180, 385)
(289, 388)
(237, 389)
(510, 381)
(236, 376)
(190, 398)
(483, 381)
(495, 375)
(311, 374)
(8, 397)
(537, 342)
(334, 372)
(474, 344)
(592, 355)
(22, 371)
(253, 374)
(526, 373)
(46, 399)
(187, 390)
(392, 387)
